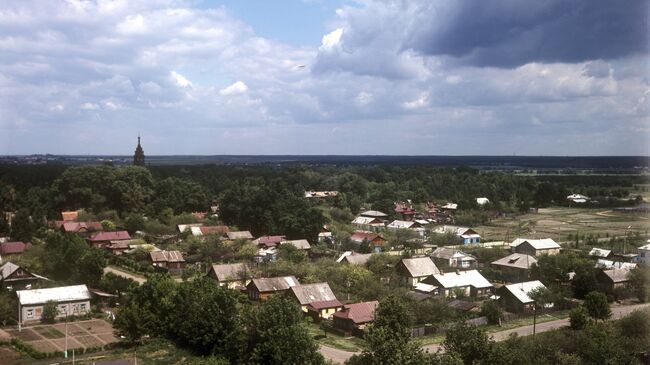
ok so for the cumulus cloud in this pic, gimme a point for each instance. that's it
(238, 87)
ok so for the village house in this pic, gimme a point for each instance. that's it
(269, 241)
(81, 228)
(612, 280)
(515, 267)
(14, 248)
(68, 216)
(644, 254)
(482, 201)
(266, 254)
(173, 261)
(410, 225)
(353, 318)
(239, 235)
(405, 210)
(70, 300)
(600, 253)
(353, 258)
(184, 227)
(464, 235)
(374, 214)
(516, 297)
(375, 240)
(102, 239)
(469, 283)
(536, 248)
(448, 257)
(302, 245)
(325, 235)
(209, 230)
(323, 309)
(119, 247)
(262, 288)
(16, 277)
(319, 293)
(368, 223)
(414, 270)
(233, 276)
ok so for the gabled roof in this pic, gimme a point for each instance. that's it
(60, 294)
(460, 279)
(420, 266)
(374, 213)
(360, 236)
(239, 235)
(462, 305)
(458, 231)
(7, 269)
(110, 236)
(230, 272)
(274, 284)
(75, 227)
(644, 247)
(359, 313)
(354, 258)
(599, 252)
(397, 224)
(8, 248)
(325, 304)
(617, 275)
(269, 240)
(449, 253)
(166, 256)
(310, 293)
(543, 244)
(516, 260)
(366, 220)
(299, 244)
(521, 291)
(183, 227)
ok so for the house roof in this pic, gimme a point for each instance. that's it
(166, 256)
(424, 288)
(229, 272)
(366, 220)
(183, 227)
(599, 252)
(420, 266)
(360, 236)
(205, 230)
(69, 216)
(8, 248)
(609, 264)
(354, 258)
(325, 304)
(274, 284)
(462, 305)
(269, 240)
(644, 247)
(299, 244)
(362, 312)
(516, 260)
(617, 275)
(522, 290)
(310, 293)
(460, 279)
(374, 213)
(7, 269)
(110, 236)
(452, 206)
(464, 232)
(482, 201)
(78, 226)
(403, 224)
(543, 244)
(239, 235)
(449, 253)
(60, 294)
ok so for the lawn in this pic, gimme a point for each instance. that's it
(333, 340)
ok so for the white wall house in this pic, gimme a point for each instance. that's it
(70, 300)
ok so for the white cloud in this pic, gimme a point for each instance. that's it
(180, 80)
(332, 40)
(420, 102)
(238, 87)
(89, 106)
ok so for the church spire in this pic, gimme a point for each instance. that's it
(138, 157)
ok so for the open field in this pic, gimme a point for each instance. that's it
(559, 222)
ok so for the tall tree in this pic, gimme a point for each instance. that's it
(597, 305)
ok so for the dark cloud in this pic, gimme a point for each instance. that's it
(509, 33)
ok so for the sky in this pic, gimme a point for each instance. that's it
(338, 77)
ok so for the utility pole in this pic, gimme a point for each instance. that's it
(534, 317)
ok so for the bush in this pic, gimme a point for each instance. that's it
(50, 311)
(578, 318)
(492, 311)
(597, 305)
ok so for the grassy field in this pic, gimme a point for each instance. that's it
(559, 222)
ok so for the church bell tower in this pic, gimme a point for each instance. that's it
(138, 157)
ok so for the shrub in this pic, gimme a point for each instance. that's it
(578, 318)
(50, 311)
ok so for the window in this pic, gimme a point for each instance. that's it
(30, 313)
(82, 306)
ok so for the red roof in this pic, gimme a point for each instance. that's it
(8, 248)
(325, 304)
(78, 226)
(110, 236)
(358, 312)
(269, 241)
(360, 236)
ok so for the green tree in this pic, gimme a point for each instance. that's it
(62, 254)
(469, 342)
(7, 313)
(22, 226)
(131, 322)
(597, 305)
(389, 337)
(134, 222)
(578, 318)
(492, 311)
(108, 225)
(50, 311)
(91, 267)
(278, 336)
(639, 282)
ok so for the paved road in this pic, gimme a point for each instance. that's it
(114, 270)
(340, 356)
